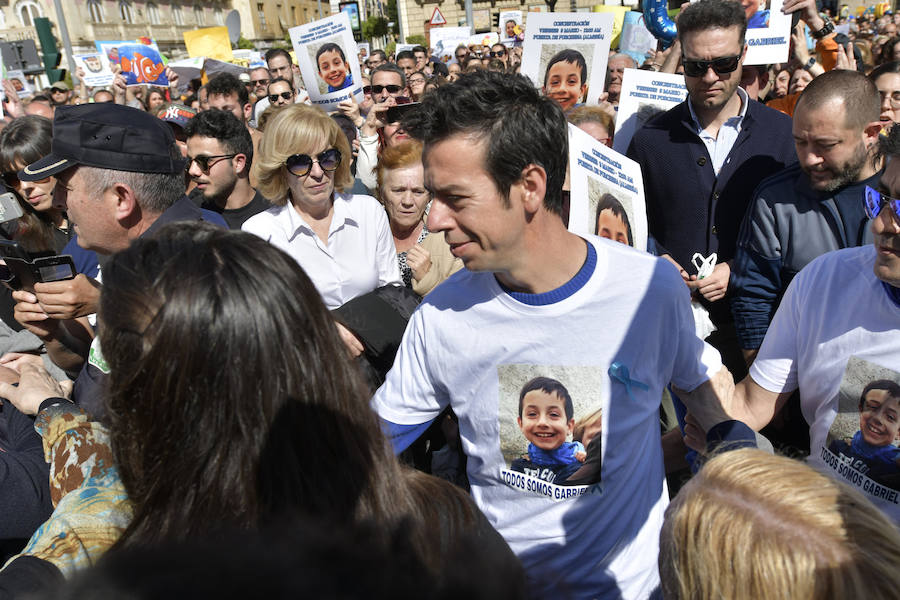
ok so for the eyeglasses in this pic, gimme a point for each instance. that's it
(498, 53)
(273, 98)
(205, 162)
(875, 202)
(259, 81)
(722, 65)
(893, 96)
(461, 56)
(391, 89)
(417, 80)
(57, 90)
(301, 164)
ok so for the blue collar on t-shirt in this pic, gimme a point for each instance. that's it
(892, 292)
(565, 290)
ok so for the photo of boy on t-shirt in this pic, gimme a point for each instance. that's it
(546, 419)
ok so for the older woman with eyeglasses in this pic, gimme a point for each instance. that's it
(343, 242)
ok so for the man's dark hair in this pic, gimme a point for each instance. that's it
(276, 80)
(548, 386)
(519, 127)
(225, 84)
(329, 47)
(612, 204)
(570, 56)
(862, 102)
(278, 52)
(419, 49)
(405, 54)
(891, 387)
(379, 53)
(393, 69)
(226, 128)
(41, 98)
(710, 14)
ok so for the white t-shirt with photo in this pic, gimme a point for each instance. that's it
(835, 313)
(465, 339)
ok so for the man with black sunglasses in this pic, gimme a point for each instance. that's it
(702, 160)
(280, 92)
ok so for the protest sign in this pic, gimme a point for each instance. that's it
(142, 64)
(445, 40)
(322, 48)
(510, 22)
(362, 51)
(110, 48)
(97, 71)
(607, 192)
(403, 47)
(644, 94)
(210, 42)
(768, 32)
(636, 40)
(20, 84)
(565, 55)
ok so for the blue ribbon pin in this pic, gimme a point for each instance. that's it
(619, 372)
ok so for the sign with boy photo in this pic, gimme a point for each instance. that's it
(97, 71)
(20, 83)
(551, 428)
(565, 55)
(862, 444)
(322, 48)
(606, 193)
(644, 94)
(510, 27)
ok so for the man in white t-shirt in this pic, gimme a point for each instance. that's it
(610, 325)
(836, 338)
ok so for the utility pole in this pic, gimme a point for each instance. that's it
(64, 33)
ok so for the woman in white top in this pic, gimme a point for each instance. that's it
(343, 242)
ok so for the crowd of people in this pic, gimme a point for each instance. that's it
(362, 350)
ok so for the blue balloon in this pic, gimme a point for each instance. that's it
(658, 22)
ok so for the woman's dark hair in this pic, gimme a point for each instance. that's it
(231, 396)
(150, 91)
(888, 67)
(887, 50)
(23, 141)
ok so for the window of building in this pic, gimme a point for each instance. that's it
(153, 14)
(261, 14)
(217, 15)
(125, 11)
(95, 9)
(177, 15)
(28, 11)
(198, 14)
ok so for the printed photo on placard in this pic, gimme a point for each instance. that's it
(551, 428)
(110, 48)
(20, 83)
(97, 71)
(606, 196)
(510, 27)
(142, 64)
(362, 51)
(565, 55)
(322, 48)
(644, 94)
(862, 444)
(445, 40)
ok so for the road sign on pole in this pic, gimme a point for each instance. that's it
(437, 18)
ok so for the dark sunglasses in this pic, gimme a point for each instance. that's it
(461, 56)
(698, 68)
(206, 162)
(273, 98)
(391, 89)
(301, 164)
(57, 90)
(498, 53)
(875, 202)
(259, 81)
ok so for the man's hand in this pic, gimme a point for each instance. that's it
(172, 76)
(31, 315)
(377, 117)
(684, 274)
(714, 286)
(12, 105)
(350, 109)
(807, 10)
(708, 405)
(16, 360)
(354, 346)
(69, 299)
(419, 260)
(35, 386)
(845, 58)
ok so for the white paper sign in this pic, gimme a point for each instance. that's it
(322, 48)
(644, 94)
(19, 83)
(768, 32)
(97, 72)
(575, 47)
(445, 41)
(607, 192)
(509, 20)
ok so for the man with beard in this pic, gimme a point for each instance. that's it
(813, 207)
(702, 160)
(220, 153)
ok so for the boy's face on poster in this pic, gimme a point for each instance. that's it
(564, 84)
(611, 227)
(543, 421)
(510, 29)
(332, 68)
(93, 64)
(879, 419)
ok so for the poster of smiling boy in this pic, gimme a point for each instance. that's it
(326, 55)
(606, 195)
(565, 55)
(97, 71)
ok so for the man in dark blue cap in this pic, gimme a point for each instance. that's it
(119, 176)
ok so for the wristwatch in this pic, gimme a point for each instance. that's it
(809, 64)
(826, 29)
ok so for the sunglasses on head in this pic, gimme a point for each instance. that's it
(206, 162)
(273, 98)
(301, 164)
(391, 89)
(698, 68)
(875, 202)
